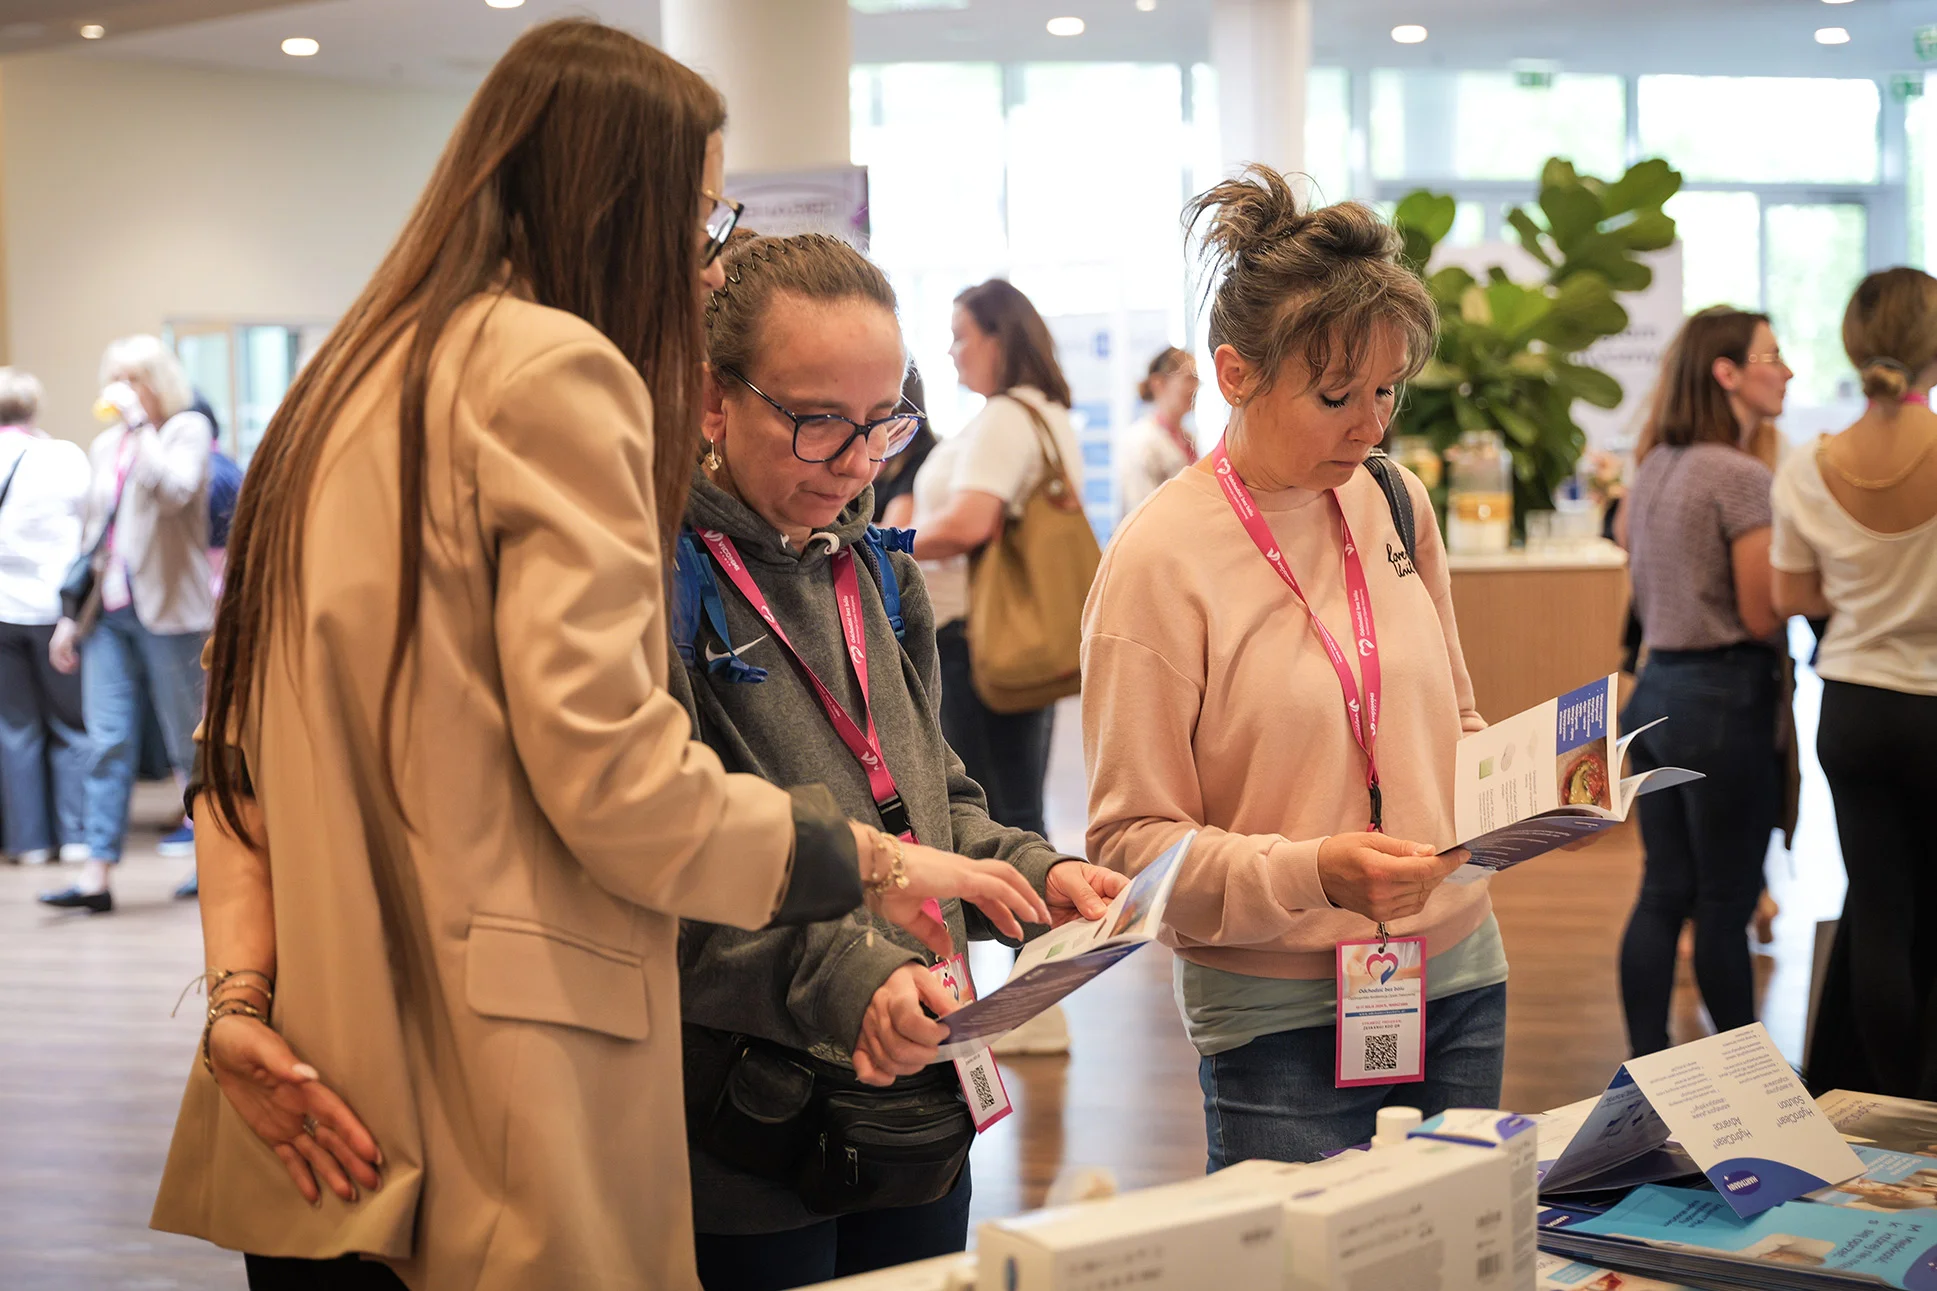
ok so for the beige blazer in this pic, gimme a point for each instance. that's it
(161, 528)
(493, 989)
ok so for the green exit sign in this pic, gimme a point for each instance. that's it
(1905, 86)
(1925, 39)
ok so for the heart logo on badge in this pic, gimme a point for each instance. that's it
(1383, 963)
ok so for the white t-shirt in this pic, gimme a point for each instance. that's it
(1147, 459)
(998, 452)
(40, 523)
(1881, 585)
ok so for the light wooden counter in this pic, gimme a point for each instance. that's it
(1535, 625)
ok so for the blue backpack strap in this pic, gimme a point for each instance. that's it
(697, 595)
(879, 542)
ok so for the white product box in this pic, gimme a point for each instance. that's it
(1181, 1238)
(943, 1273)
(1422, 1214)
(1518, 1138)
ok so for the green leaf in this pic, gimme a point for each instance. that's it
(1437, 375)
(1644, 188)
(1532, 364)
(1530, 235)
(1591, 384)
(1516, 311)
(1449, 286)
(1468, 414)
(1475, 307)
(1572, 213)
(1648, 231)
(1520, 428)
(1558, 173)
(1430, 214)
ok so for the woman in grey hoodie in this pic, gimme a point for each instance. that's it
(810, 656)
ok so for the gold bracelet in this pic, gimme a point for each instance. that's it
(897, 876)
(227, 1008)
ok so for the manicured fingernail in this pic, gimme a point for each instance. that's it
(306, 1072)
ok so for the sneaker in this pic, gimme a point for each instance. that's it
(75, 899)
(1046, 1033)
(190, 888)
(179, 844)
(32, 856)
(74, 853)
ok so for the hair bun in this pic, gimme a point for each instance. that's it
(1885, 379)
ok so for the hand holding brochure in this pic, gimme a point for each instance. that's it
(1061, 960)
(1545, 778)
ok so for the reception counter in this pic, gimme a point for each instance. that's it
(1535, 625)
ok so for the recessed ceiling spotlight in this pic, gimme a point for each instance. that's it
(93, 31)
(1146, 6)
(504, 4)
(1836, 1)
(300, 47)
(1065, 26)
(1410, 33)
(1832, 36)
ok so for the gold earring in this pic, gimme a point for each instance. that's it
(712, 460)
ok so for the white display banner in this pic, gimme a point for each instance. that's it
(780, 204)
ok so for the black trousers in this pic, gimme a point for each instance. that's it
(1705, 841)
(1006, 753)
(350, 1273)
(1878, 1017)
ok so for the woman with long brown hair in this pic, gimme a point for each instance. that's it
(1697, 532)
(451, 813)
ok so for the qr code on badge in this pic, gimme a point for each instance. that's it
(984, 1096)
(1382, 1051)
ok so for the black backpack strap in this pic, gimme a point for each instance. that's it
(8, 486)
(1397, 497)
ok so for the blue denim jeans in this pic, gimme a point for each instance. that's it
(1275, 1098)
(121, 662)
(836, 1248)
(44, 751)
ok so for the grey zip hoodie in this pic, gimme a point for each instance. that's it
(808, 987)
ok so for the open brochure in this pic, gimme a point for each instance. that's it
(1545, 778)
(1689, 1235)
(1558, 1273)
(1880, 1121)
(1064, 958)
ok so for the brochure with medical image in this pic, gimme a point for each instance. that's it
(1891, 1181)
(1691, 1235)
(1545, 778)
(1059, 961)
(1880, 1121)
(1558, 1273)
(1731, 1103)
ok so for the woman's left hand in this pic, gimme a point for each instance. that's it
(284, 1101)
(1079, 890)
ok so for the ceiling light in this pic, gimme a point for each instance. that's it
(1065, 26)
(1832, 35)
(504, 4)
(300, 47)
(1146, 6)
(93, 31)
(1409, 34)
(1836, 1)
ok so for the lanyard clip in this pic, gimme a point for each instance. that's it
(1382, 935)
(894, 816)
(1378, 807)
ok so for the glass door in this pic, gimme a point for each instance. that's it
(1815, 255)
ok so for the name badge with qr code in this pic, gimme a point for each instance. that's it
(988, 1097)
(1381, 1012)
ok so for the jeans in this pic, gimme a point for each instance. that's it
(1878, 748)
(836, 1248)
(1006, 753)
(1275, 1098)
(1705, 841)
(121, 661)
(44, 750)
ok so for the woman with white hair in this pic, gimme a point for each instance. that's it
(44, 753)
(138, 631)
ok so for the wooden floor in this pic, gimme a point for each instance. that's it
(91, 1065)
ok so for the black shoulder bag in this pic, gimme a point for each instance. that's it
(83, 578)
(1397, 497)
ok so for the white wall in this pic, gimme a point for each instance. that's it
(139, 192)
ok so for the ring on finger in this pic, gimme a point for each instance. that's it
(310, 1126)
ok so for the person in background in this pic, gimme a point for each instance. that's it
(894, 486)
(44, 750)
(1696, 525)
(803, 401)
(450, 814)
(139, 639)
(1157, 445)
(1855, 540)
(972, 483)
(1211, 702)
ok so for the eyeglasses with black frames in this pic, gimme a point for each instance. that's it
(825, 436)
(720, 223)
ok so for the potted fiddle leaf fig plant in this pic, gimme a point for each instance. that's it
(1508, 353)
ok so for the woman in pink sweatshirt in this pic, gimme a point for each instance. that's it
(1254, 627)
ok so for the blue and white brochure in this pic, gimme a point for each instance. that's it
(1730, 1103)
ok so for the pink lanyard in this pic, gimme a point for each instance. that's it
(864, 745)
(1364, 722)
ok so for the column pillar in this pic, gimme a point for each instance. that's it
(1262, 50)
(783, 67)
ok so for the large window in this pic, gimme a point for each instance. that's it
(1494, 125)
(1762, 129)
(243, 370)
